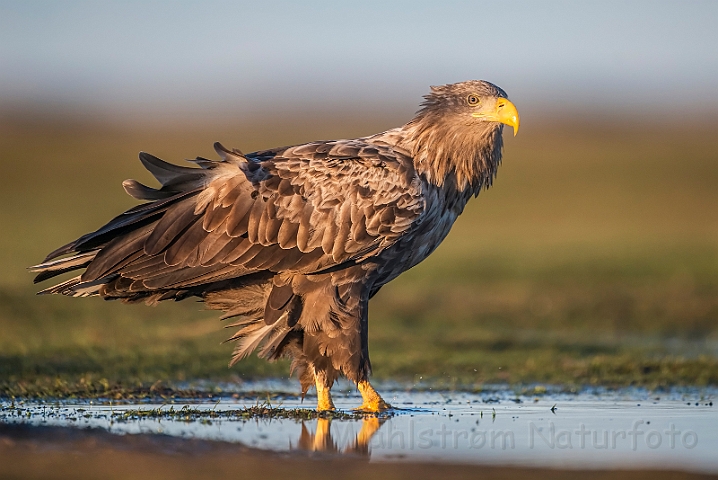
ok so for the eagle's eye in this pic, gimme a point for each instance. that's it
(473, 100)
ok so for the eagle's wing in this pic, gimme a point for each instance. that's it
(332, 202)
(305, 209)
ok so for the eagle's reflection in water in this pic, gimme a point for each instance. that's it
(323, 441)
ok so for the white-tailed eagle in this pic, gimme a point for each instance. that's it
(292, 242)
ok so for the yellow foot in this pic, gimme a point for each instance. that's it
(324, 397)
(373, 403)
(373, 407)
(325, 404)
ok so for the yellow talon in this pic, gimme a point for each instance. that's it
(373, 403)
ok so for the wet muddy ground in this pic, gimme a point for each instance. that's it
(590, 429)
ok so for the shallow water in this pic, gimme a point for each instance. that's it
(589, 429)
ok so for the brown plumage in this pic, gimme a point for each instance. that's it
(292, 242)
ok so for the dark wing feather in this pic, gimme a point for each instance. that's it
(123, 223)
(305, 208)
(64, 265)
(173, 223)
(168, 174)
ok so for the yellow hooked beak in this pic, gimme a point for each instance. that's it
(504, 112)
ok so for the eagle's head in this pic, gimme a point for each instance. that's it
(475, 103)
(456, 136)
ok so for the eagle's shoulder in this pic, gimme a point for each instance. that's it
(339, 161)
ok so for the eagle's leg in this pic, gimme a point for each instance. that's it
(324, 396)
(373, 403)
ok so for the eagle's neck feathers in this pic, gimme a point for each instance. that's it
(467, 154)
(465, 157)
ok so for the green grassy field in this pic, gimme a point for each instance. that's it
(593, 260)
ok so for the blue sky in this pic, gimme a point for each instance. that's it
(136, 56)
